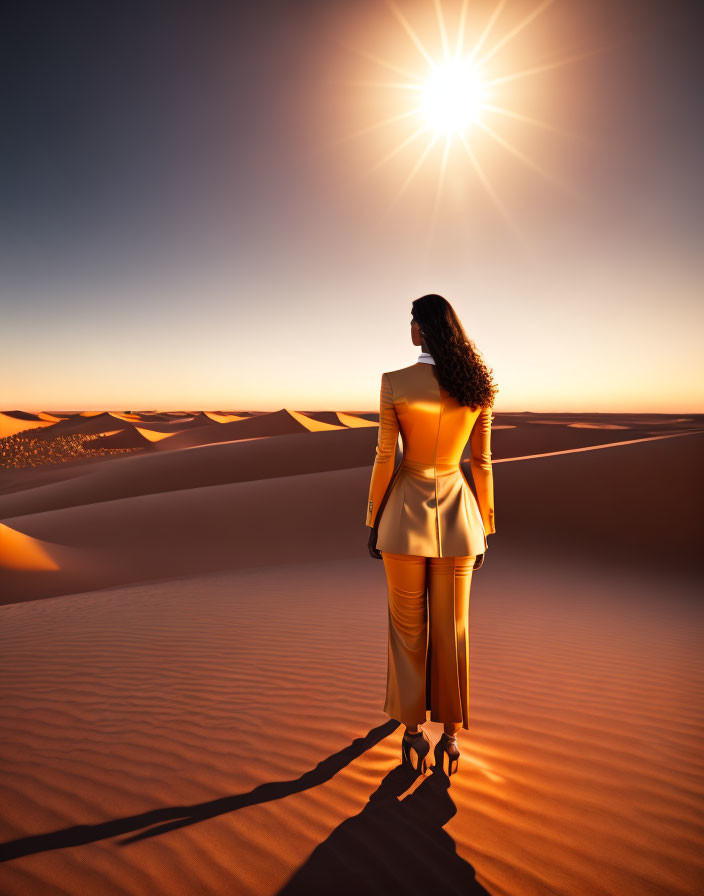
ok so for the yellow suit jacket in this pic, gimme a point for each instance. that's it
(429, 508)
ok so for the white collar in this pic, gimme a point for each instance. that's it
(425, 358)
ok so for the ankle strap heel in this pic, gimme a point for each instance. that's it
(450, 754)
(415, 751)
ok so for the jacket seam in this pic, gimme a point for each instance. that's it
(435, 472)
(391, 389)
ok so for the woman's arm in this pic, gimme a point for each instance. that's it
(385, 451)
(480, 463)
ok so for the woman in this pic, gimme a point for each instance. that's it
(428, 527)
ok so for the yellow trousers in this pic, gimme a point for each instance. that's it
(428, 655)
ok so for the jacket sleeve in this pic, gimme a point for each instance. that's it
(480, 463)
(385, 450)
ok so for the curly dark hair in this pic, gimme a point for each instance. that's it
(460, 368)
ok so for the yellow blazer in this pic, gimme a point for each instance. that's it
(429, 508)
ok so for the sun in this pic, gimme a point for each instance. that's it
(460, 99)
(452, 97)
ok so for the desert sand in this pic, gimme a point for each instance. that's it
(193, 663)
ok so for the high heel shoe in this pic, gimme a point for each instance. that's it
(415, 751)
(450, 754)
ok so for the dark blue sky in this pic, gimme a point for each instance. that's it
(162, 175)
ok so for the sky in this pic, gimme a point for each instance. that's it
(232, 206)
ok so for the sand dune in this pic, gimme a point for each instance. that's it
(155, 435)
(132, 437)
(334, 420)
(522, 438)
(312, 424)
(208, 465)
(129, 418)
(364, 415)
(10, 426)
(220, 463)
(17, 480)
(237, 524)
(599, 447)
(159, 417)
(223, 418)
(354, 421)
(193, 530)
(172, 428)
(108, 433)
(329, 417)
(83, 424)
(22, 415)
(275, 423)
(109, 421)
(165, 420)
(21, 552)
(199, 710)
(634, 418)
(51, 418)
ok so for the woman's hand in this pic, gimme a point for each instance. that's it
(372, 545)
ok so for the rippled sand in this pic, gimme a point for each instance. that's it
(203, 735)
(205, 715)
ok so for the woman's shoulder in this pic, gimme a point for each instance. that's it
(409, 371)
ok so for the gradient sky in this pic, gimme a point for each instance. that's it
(187, 219)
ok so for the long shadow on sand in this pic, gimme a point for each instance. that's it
(393, 846)
(158, 821)
(392, 843)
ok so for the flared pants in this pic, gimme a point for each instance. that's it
(428, 653)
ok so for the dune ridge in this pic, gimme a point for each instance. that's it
(237, 524)
(202, 465)
(10, 426)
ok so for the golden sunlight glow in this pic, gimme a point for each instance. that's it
(22, 552)
(457, 104)
(452, 97)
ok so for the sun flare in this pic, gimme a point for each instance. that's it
(459, 103)
(452, 97)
